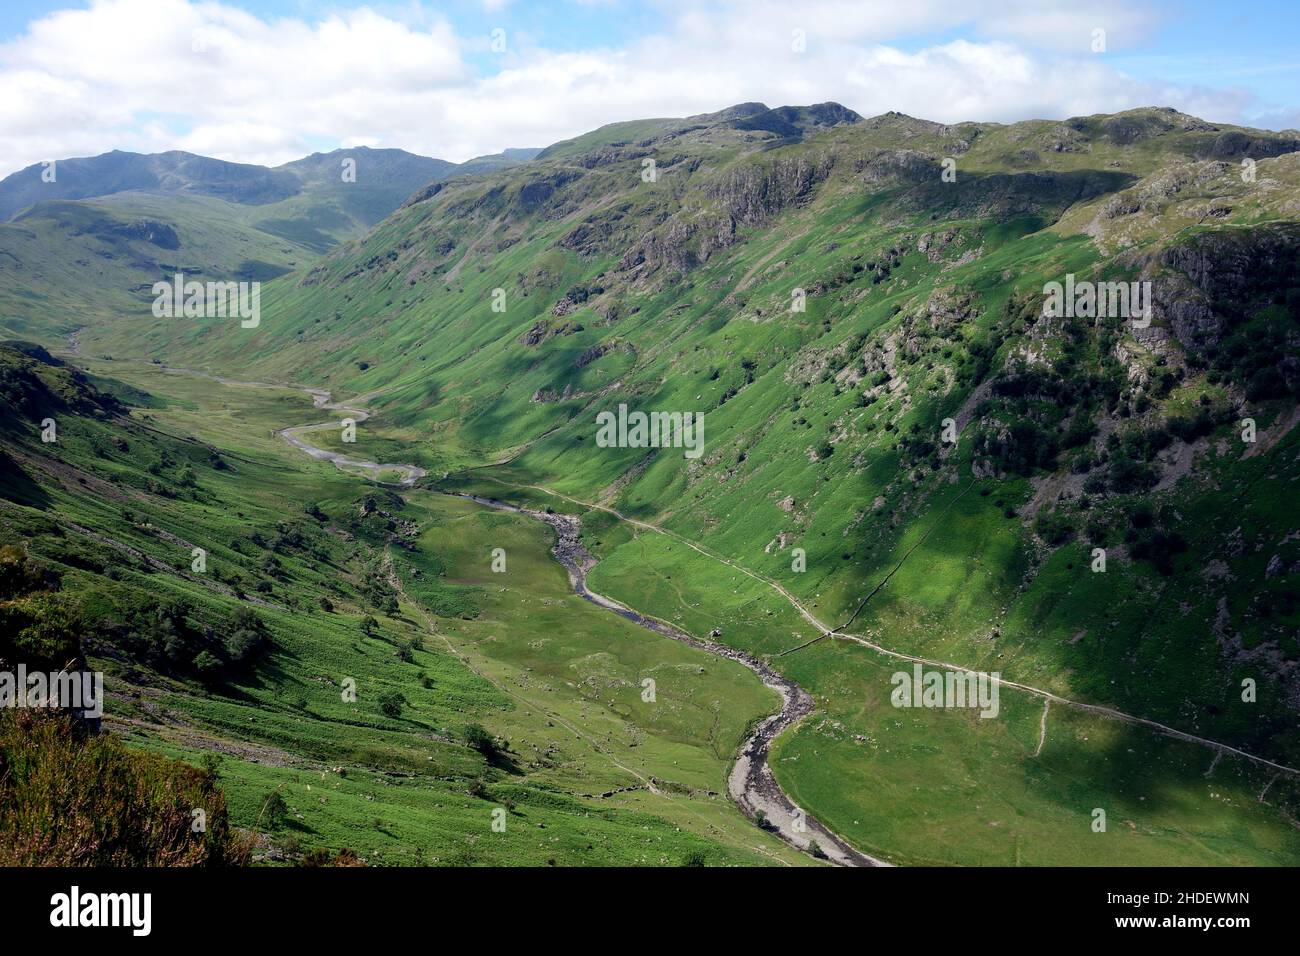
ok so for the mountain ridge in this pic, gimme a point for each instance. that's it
(105, 174)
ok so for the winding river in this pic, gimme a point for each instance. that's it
(293, 435)
(751, 784)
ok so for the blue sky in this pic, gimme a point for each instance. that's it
(562, 24)
(1250, 44)
(267, 80)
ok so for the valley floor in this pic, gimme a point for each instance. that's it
(568, 678)
(592, 774)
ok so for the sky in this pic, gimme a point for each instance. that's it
(268, 81)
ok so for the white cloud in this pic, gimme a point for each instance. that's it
(161, 74)
(1068, 27)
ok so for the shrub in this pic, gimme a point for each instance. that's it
(1054, 527)
(43, 630)
(68, 798)
(207, 665)
(275, 812)
(478, 737)
(20, 575)
(245, 644)
(319, 857)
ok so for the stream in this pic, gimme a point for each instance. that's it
(751, 784)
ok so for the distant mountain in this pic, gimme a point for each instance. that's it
(372, 165)
(106, 227)
(394, 173)
(367, 183)
(495, 161)
(174, 171)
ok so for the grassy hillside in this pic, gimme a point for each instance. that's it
(85, 248)
(309, 581)
(66, 264)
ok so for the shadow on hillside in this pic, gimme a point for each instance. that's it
(18, 486)
(1043, 193)
(500, 760)
(1133, 772)
(265, 675)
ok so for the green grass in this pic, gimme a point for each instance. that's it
(822, 433)
(559, 679)
(947, 787)
(941, 786)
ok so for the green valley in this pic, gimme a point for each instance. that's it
(908, 459)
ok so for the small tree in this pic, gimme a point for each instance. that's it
(207, 665)
(477, 736)
(275, 812)
(210, 765)
(390, 704)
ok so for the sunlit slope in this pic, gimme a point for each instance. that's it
(823, 425)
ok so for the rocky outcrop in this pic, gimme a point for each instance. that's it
(753, 193)
(1206, 278)
(155, 233)
(796, 122)
(542, 329)
(744, 196)
(594, 353)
